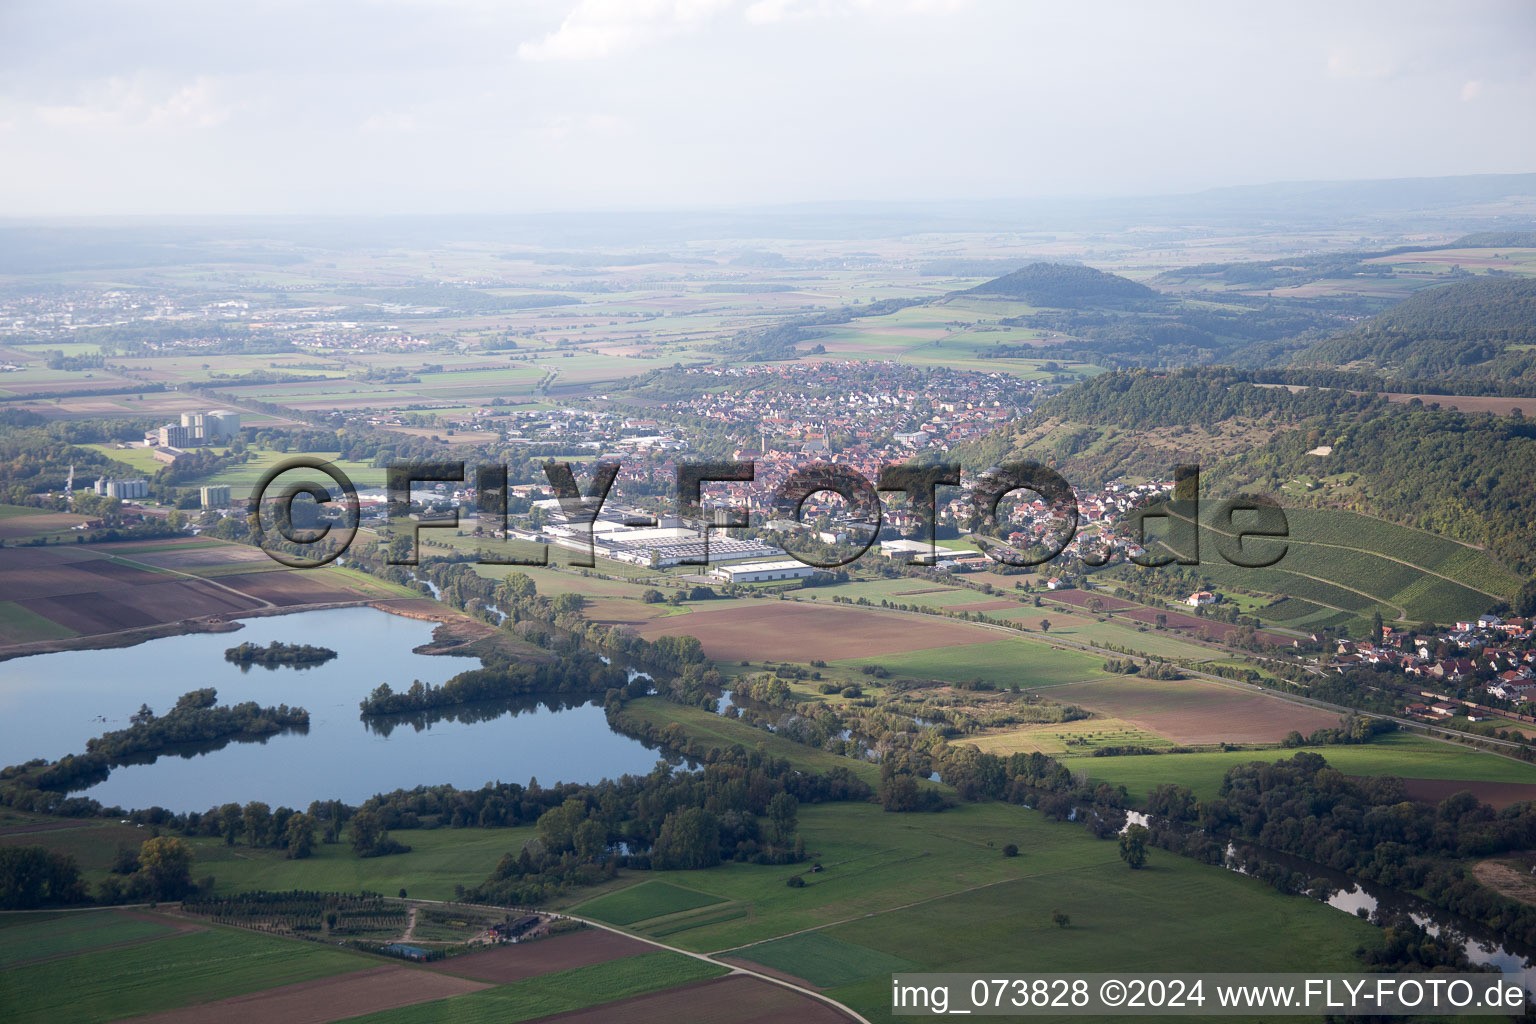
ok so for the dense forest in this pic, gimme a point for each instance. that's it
(1140, 399)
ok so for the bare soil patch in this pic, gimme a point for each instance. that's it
(17, 527)
(324, 999)
(776, 630)
(1507, 879)
(530, 959)
(1124, 609)
(1470, 403)
(736, 999)
(289, 588)
(1496, 794)
(1190, 711)
(201, 557)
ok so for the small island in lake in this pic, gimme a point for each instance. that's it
(278, 653)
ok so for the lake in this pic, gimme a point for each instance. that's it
(51, 704)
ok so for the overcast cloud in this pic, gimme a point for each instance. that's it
(381, 106)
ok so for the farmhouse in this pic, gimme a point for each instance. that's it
(1200, 599)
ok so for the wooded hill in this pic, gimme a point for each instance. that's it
(1460, 476)
(1068, 286)
(1471, 329)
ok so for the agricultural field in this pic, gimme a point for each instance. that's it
(1350, 563)
(73, 933)
(903, 892)
(645, 901)
(438, 860)
(1059, 738)
(821, 960)
(1003, 661)
(1193, 711)
(719, 730)
(585, 948)
(90, 590)
(657, 988)
(1402, 754)
(167, 973)
(770, 630)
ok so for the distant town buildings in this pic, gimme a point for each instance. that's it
(215, 496)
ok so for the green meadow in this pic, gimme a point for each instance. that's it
(1402, 754)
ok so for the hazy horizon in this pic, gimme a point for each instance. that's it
(430, 107)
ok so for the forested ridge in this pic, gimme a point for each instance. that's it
(1470, 328)
(1465, 476)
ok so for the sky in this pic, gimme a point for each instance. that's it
(141, 107)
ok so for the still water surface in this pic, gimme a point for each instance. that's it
(51, 704)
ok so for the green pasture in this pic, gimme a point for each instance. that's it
(1402, 754)
(1029, 663)
(168, 973)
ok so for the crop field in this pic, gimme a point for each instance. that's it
(85, 590)
(1240, 922)
(1066, 737)
(733, 1000)
(1002, 661)
(69, 934)
(912, 592)
(166, 974)
(439, 860)
(92, 842)
(325, 999)
(19, 625)
(1401, 754)
(1120, 630)
(1121, 609)
(643, 902)
(775, 630)
(562, 991)
(1191, 711)
(241, 478)
(818, 959)
(32, 522)
(934, 892)
(503, 964)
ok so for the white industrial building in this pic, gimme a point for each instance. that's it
(762, 572)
